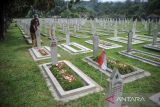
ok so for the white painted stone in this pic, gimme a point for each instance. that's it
(38, 38)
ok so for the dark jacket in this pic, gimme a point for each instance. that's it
(34, 24)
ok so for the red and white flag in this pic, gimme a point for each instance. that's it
(102, 60)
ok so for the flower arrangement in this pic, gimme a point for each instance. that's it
(123, 68)
(66, 76)
(43, 51)
(64, 72)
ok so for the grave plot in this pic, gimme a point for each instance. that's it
(66, 82)
(143, 56)
(41, 53)
(59, 39)
(129, 73)
(155, 46)
(80, 36)
(105, 45)
(75, 48)
(124, 40)
(143, 38)
(102, 34)
(84, 31)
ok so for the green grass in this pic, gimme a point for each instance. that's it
(22, 84)
(66, 85)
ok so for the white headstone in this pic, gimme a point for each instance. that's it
(115, 89)
(115, 29)
(68, 38)
(130, 36)
(75, 30)
(155, 34)
(53, 47)
(134, 28)
(95, 45)
(149, 27)
(38, 39)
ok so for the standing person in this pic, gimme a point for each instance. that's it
(33, 28)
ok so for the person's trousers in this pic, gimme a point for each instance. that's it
(34, 41)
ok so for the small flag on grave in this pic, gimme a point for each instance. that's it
(102, 60)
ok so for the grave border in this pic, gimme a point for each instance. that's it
(138, 74)
(37, 58)
(83, 48)
(145, 60)
(65, 96)
(105, 47)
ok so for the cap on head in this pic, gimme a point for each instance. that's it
(36, 16)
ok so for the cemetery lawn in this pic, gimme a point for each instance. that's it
(22, 84)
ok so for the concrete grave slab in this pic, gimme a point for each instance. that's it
(36, 55)
(140, 55)
(124, 40)
(153, 47)
(65, 96)
(138, 74)
(80, 36)
(105, 44)
(143, 38)
(71, 50)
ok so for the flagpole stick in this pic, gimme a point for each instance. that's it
(100, 90)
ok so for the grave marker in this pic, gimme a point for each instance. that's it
(95, 44)
(53, 47)
(115, 29)
(68, 38)
(130, 35)
(38, 39)
(134, 28)
(115, 89)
